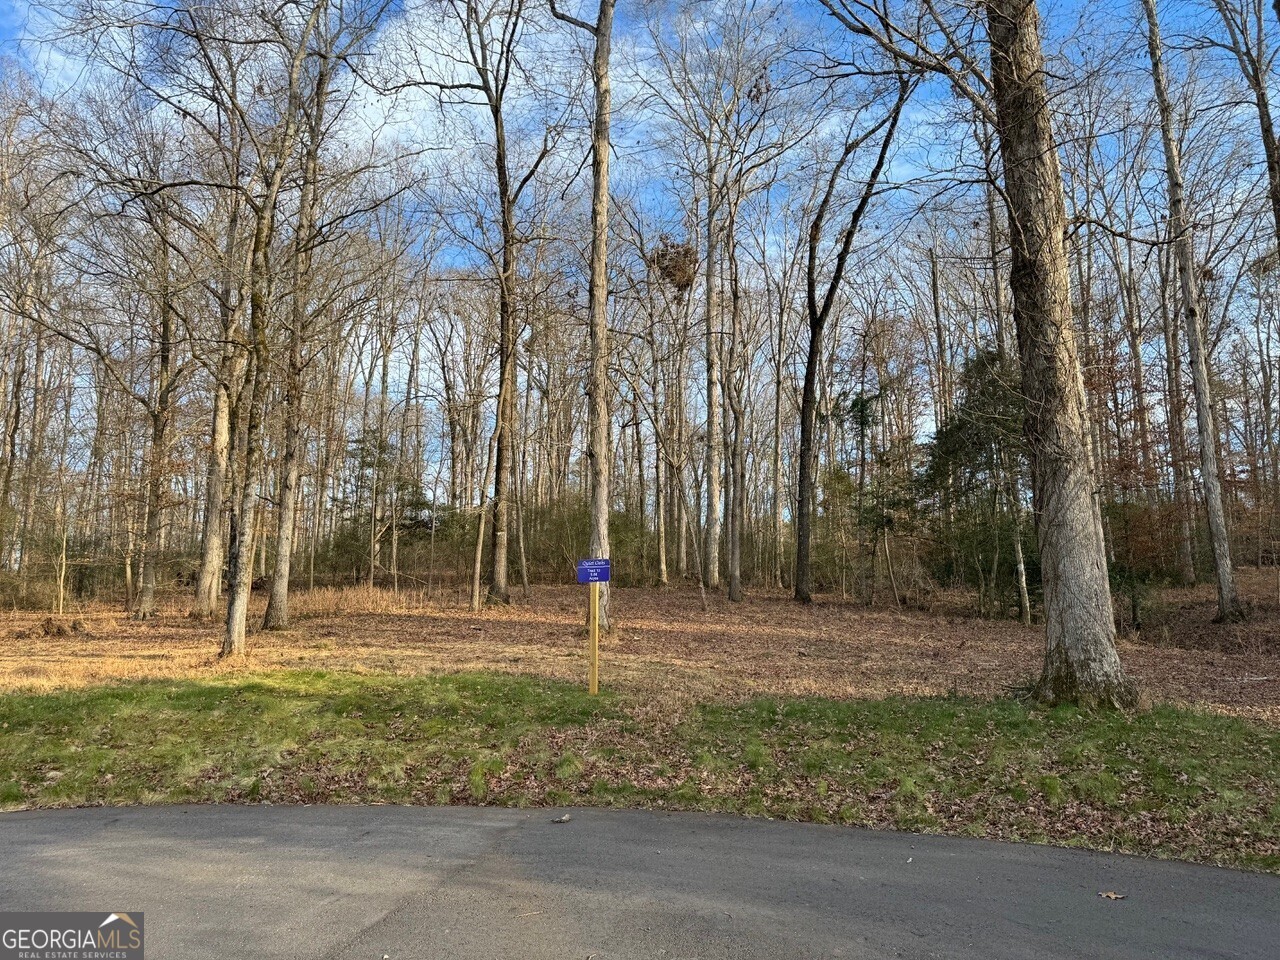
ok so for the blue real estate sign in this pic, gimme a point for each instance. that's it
(593, 571)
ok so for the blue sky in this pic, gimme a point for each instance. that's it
(13, 16)
(11, 21)
(1060, 14)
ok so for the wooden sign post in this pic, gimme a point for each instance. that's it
(594, 573)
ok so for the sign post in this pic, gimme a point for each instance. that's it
(594, 573)
(593, 640)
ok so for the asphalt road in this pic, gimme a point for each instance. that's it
(361, 883)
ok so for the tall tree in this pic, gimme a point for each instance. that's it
(599, 455)
(1183, 238)
(1081, 663)
(819, 301)
(341, 31)
(1246, 40)
(487, 49)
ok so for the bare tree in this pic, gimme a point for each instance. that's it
(598, 452)
(341, 31)
(1246, 41)
(1081, 663)
(490, 35)
(1183, 240)
(819, 304)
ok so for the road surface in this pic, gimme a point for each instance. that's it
(363, 883)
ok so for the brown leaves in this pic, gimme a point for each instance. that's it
(1111, 895)
(668, 649)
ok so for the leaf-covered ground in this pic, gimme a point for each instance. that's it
(667, 649)
(1164, 782)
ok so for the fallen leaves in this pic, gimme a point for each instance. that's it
(1111, 895)
(672, 653)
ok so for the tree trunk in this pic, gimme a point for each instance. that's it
(9, 551)
(807, 462)
(1081, 664)
(277, 615)
(599, 456)
(210, 582)
(661, 468)
(779, 527)
(818, 310)
(713, 451)
(146, 605)
(240, 555)
(1189, 279)
(734, 389)
(1182, 499)
(481, 514)
(1132, 326)
(498, 589)
(35, 451)
(161, 412)
(1019, 562)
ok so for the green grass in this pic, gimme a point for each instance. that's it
(1164, 782)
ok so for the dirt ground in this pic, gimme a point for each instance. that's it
(666, 647)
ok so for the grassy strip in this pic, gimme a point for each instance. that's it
(1167, 782)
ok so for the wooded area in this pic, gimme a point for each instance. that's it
(873, 298)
